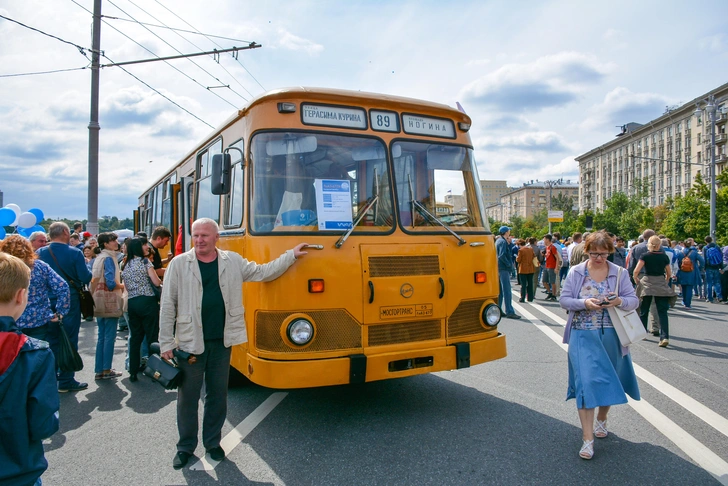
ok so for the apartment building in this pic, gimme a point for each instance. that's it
(530, 198)
(667, 152)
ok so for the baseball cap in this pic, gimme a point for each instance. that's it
(86, 234)
(503, 229)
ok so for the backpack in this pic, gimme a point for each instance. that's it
(687, 264)
(714, 257)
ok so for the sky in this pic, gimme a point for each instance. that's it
(543, 81)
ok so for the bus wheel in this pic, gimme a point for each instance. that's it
(237, 379)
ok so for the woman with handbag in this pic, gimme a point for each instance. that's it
(143, 305)
(600, 369)
(654, 283)
(107, 289)
(34, 321)
(526, 260)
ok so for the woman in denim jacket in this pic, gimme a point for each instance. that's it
(600, 368)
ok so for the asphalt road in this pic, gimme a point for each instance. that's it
(504, 422)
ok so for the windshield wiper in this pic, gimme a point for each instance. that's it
(372, 202)
(363, 213)
(421, 207)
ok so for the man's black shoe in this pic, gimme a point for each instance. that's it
(180, 459)
(78, 386)
(216, 453)
(512, 316)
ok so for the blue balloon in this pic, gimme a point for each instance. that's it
(2, 233)
(37, 227)
(38, 214)
(23, 231)
(7, 216)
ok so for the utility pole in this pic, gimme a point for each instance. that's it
(92, 225)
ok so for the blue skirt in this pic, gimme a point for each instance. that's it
(599, 376)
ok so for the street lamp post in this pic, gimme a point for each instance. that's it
(711, 108)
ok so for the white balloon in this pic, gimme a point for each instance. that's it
(26, 220)
(16, 210)
(14, 207)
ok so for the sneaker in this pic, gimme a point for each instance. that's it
(111, 374)
(512, 316)
(180, 459)
(216, 453)
(73, 387)
(664, 343)
(99, 376)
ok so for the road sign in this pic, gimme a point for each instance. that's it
(556, 216)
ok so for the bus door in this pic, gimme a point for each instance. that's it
(404, 286)
(184, 210)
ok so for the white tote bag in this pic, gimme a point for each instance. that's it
(628, 325)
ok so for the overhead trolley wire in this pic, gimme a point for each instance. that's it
(218, 45)
(201, 49)
(81, 49)
(161, 94)
(152, 53)
(190, 60)
(165, 26)
(42, 72)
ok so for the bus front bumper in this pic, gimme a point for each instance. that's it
(362, 368)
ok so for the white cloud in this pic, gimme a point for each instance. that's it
(293, 42)
(550, 81)
(621, 106)
(717, 43)
(477, 62)
(532, 142)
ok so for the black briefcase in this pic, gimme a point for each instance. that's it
(164, 372)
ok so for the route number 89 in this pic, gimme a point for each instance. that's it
(384, 121)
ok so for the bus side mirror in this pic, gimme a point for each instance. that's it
(221, 164)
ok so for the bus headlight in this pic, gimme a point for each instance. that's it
(492, 315)
(300, 331)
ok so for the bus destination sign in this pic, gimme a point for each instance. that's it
(334, 116)
(423, 125)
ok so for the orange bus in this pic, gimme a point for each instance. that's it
(401, 277)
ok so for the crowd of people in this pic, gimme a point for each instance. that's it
(41, 280)
(34, 316)
(592, 275)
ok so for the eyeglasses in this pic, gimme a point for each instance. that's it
(598, 255)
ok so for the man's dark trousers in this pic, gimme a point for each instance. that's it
(212, 367)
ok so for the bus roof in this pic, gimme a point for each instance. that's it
(330, 95)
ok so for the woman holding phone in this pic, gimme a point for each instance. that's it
(600, 369)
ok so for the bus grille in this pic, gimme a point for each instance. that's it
(466, 319)
(335, 330)
(405, 332)
(400, 266)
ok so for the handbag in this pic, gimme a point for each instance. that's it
(68, 358)
(536, 263)
(165, 372)
(108, 303)
(155, 288)
(628, 324)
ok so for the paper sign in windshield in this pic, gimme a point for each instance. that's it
(333, 204)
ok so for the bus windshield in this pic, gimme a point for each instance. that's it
(437, 185)
(319, 182)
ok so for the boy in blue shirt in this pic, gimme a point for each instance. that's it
(28, 394)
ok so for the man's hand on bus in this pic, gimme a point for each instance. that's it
(298, 250)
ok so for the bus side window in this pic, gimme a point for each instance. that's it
(207, 205)
(233, 202)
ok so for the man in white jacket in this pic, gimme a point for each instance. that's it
(202, 295)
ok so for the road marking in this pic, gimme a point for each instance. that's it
(236, 436)
(693, 448)
(697, 316)
(718, 422)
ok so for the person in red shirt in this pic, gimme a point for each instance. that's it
(549, 278)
